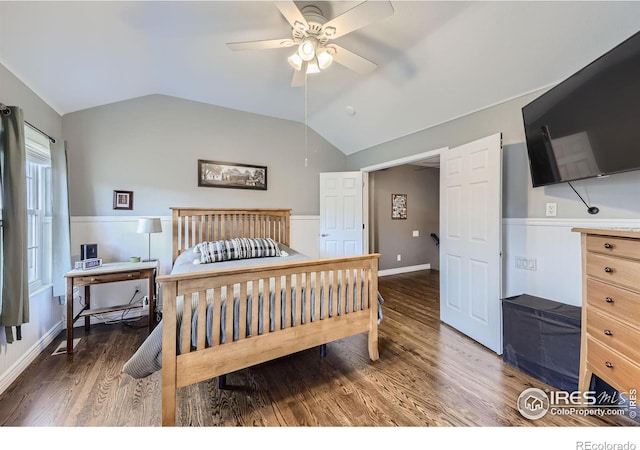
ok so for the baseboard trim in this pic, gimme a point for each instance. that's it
(21, 364)
(397, 270)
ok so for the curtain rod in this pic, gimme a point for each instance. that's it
(4, 109)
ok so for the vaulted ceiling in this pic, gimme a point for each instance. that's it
(437, 60)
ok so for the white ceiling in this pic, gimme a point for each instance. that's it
(436, 60)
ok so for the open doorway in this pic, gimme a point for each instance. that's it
(403, 213)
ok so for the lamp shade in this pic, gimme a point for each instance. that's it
(312, 66)
(149, 225)
(324, 59)
(295, 61)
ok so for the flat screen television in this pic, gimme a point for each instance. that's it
(589, 124)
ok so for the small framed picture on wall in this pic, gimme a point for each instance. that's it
(122, 199)
(399, 206)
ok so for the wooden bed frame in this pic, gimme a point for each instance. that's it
(187, 366)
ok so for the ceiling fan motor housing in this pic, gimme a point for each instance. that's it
(315, 20)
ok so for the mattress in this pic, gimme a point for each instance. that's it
(148, 358)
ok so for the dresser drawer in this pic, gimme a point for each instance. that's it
(623, 272)
(619, 303)
(626, 248)
(614, 334)
(609, 365)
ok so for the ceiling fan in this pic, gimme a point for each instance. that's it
(313, 35)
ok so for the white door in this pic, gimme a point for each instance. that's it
(341, 226)
(470, 240)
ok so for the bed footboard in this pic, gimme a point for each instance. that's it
(315, 302)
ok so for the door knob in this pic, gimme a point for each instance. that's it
(324, 234)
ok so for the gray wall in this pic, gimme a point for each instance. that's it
(616, 196)
(151, 145)
(14, 92)
(45, 313)
(394, 237)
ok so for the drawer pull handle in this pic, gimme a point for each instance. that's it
(608, 269)
(129, 276)
(93, 279)
(609, 365)
(608, 300)
(607, 245)
(608, 332)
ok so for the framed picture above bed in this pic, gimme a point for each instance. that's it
(231, 175)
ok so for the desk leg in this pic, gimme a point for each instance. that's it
(69, 300)
(87, 297)
(152, 300)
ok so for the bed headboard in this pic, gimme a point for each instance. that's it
(193, 225)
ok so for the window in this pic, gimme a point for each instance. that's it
(39, 209)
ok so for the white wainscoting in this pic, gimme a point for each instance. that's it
(117, 241)
(45, 323)
(557, 254)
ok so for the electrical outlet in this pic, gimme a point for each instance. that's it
(416, 233)
(145, 302)
(526, 263)
(399, 258)
(552, 209)
(137, 288)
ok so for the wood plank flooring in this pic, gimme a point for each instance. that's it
(428, 375)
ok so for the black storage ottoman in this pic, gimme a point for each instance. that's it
(541, 338)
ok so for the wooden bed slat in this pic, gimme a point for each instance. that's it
(228, 314)
(297, 317)
(242, 311)
(216, 317)
(202, 322)
(186, 325)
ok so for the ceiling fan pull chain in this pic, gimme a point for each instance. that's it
(306, 141)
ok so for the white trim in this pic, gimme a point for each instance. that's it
(96, 219)
(38, 288)
(305, 217)
(407, 269)
(100, 219)
(404, 160)
(580, 223)
(10, 375)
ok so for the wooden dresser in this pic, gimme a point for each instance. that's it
(610, 342)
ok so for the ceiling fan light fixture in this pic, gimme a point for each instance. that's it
(295, 61)
(325, 58)
(307, 49)
(312, 66)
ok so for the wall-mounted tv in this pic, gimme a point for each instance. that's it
(589, 124)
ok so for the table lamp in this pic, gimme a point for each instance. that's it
(149, 225)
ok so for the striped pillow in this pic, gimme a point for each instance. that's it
(238, 248)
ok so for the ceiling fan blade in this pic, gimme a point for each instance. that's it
(261, 45)
(298, 78)
(352, 61)
(357, 17)
(291, 12)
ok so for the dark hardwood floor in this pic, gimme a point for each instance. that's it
(428, 375)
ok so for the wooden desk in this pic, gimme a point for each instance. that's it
(108, 273)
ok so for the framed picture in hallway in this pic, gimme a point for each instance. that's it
(399, 206)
